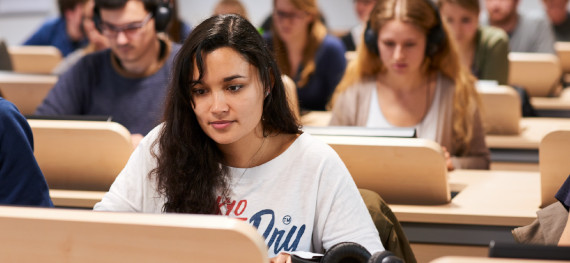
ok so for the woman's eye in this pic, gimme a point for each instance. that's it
(235, 88)
(410, 44)
(389, 44)
(198, 92)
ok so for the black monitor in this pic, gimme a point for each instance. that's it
(525, 251)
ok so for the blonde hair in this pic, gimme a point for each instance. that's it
(315, 34)
(446, 61)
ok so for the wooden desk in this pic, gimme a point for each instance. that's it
(488, 206)
(75, 199)
(553, 106)
(509, 152)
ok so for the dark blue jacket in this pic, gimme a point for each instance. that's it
(54, 33)
(21, 180)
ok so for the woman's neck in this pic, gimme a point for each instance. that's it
(404, 83)
(244, 152)
(295, 49)
(467, 53)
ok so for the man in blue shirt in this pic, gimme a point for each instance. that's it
(21, 180)
(128, 81)
(64, 32)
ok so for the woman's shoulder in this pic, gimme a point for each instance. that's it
(332, 44)
(312, 147)
(491, 36)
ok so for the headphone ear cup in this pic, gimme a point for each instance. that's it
(384, 257)
(436, 35)
(346, 252)
(371, 40)
(162, 17)
(97, 19)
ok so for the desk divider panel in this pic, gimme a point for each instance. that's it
(34, 59)
(61, 235)
(554, 164)
(525, 67)
(26, 91)
(401, 170)
(80, 155)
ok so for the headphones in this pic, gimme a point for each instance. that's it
(161, 14)
(350, 252)
(435, 37)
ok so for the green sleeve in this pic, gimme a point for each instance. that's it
(495, 65)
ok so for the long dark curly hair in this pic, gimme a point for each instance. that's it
(190, 171)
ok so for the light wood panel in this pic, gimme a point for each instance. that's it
(59, 235)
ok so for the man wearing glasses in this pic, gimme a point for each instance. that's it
(127, 82)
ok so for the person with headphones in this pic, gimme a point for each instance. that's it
(408, 74)
(128, 81)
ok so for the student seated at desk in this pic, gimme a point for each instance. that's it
(305, 51)
(127, 81)
(96, 41)
(21, 180)
(483, 49)
(63, 32)
(408, 74)
(230, 145)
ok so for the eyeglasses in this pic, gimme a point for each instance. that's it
(282, 15)
(131, 29)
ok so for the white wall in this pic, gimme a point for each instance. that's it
(15, 28)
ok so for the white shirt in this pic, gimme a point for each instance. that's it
(427, 128)
(302, 200)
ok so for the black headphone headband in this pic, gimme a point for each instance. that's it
(161, 14)
(435, 36)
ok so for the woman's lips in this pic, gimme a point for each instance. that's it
(400, 65)
(220, 125)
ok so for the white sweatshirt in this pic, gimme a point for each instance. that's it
(302, 200)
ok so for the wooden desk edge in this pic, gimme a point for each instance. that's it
(78, 199)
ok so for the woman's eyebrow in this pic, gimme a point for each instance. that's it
(230, 78)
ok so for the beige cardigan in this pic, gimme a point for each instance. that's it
(353, 105)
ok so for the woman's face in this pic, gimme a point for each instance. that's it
(402, 47)
(463, 22)
(228, 101)
(291, 23)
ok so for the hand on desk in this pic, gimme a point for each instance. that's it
(281, 258)
(448, 159)
(136, 139)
